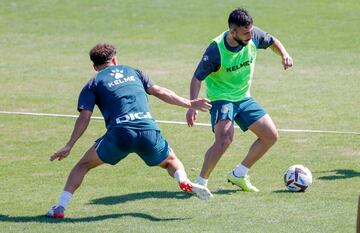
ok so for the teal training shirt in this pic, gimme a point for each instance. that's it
(120, 93)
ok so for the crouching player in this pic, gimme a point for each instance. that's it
(120, 92)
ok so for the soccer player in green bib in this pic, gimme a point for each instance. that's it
(121, 93)
(227, 67)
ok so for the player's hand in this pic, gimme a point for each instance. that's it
(61, 154)
(191, 117)
(287, 61)
(200, 104)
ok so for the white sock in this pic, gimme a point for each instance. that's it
(202, 181)
(180, 175)
(64, 199)
(241, 170)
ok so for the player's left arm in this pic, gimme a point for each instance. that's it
(171, 97)
(279, 49)
(264, 40)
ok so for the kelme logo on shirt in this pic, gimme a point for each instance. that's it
(119, 78)
(239, 66)
(117, 73)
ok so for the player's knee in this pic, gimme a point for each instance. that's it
(164, 164)
(272, 137)
(224, 142)
(168, 161)
(84, 165)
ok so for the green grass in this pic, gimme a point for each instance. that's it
(44, 63)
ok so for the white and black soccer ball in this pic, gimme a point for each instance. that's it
(298, 178)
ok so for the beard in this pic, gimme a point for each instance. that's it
(240, 42)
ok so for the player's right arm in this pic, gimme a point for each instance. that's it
(80, 126)
(86, 104)
(209, 63)
(195, 87)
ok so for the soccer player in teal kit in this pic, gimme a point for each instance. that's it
(120, 92)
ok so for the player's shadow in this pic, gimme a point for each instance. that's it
(339, 174)
(226, 191)
(44, 219)
(113, 200)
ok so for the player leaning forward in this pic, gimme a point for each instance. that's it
(120, 92)
(227, 68)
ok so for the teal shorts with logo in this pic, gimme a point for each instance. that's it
(244, 112)
(119, 142)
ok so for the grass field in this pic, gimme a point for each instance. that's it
(44, 63)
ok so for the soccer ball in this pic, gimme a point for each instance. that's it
(298, 178)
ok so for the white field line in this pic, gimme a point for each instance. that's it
(179, 123)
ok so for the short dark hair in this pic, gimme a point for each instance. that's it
(102, 54)
(240, 17)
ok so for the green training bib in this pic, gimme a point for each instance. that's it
(233, 80)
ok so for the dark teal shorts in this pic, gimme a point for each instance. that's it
(118, 142)
(244, 112)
